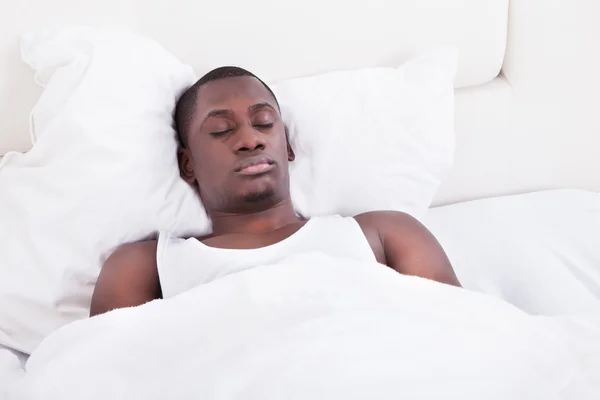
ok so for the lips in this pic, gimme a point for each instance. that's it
(254, 165)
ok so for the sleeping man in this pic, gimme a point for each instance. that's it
(235, 152)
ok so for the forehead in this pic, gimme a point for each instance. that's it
(227, 93)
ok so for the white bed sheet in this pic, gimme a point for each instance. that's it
(539, 251)
(315, 326)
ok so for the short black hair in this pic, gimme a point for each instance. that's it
(186, 105)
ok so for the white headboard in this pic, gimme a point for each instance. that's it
(525, 110)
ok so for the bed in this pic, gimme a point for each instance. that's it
(525, 175)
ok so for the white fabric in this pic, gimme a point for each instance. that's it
(104, 172)
(186, 263)
(12, 369)
(315, 326)
(372, 139)
(539, 251)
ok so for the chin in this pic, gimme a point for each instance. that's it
(258, 196)
(257, 190)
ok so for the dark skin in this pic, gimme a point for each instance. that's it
(237, 158)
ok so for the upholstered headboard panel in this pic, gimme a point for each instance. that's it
(521, 123)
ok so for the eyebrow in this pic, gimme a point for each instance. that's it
(218, 113)
(252, 108)
(258, 106)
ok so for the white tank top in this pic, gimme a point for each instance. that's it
(186, 263)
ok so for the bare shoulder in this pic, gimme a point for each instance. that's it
(394, 225)
(128, 278)
(382, 221)
(377, 225)
(140, 254)
(379, 217)
(406, 245)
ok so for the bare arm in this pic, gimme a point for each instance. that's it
(129, 278)
(404, 244)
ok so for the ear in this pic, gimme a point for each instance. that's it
(186, 166)
(290, 151)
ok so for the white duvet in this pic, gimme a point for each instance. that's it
(317, 327)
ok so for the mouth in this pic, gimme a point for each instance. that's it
(255, 165)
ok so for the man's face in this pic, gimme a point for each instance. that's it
(237, 151)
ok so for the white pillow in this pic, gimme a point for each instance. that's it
(539, 251)
(103, 170)
(11, 370)
(371, 139)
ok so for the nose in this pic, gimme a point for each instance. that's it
(248, 139)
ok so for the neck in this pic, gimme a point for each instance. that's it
(260, 221)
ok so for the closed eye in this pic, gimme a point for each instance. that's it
(263, 126)
(221, 133)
